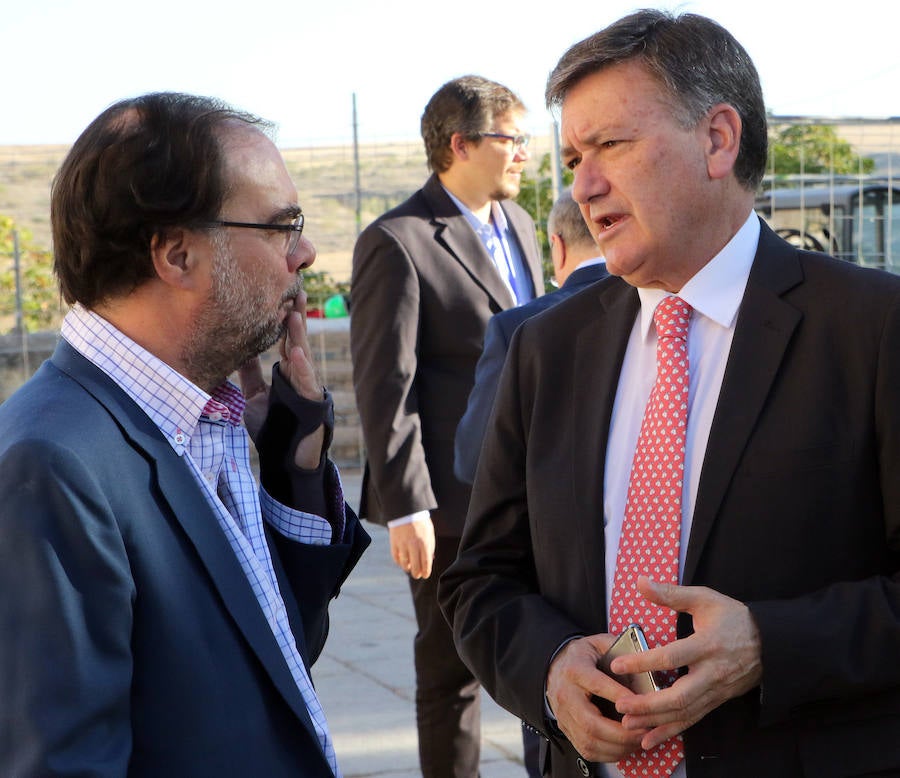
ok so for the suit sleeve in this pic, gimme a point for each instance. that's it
(842, 641)
(505, 630)
(316, 573)
(384, 332)
(65, 620)
(471, 428)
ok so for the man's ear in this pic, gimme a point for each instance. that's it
(724, 140)
(173, 252)
(459, 145)
(557, 253)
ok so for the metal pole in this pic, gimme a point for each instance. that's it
(555, 162)
(15, 236)
(20, 319)
(356, 169)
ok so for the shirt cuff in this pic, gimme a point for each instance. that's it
(301, 526)
(417, 516)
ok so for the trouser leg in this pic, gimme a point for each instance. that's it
(448, 698)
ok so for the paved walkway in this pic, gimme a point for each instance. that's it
(366, 681)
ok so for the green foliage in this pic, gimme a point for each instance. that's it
(536, 197)
(320, 285)
(812, 149)
(41, 308)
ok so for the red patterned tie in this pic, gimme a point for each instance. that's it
(651, 530)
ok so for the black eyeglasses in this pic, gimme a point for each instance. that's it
(518, 141)
(292, 231)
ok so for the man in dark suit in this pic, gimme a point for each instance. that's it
(160, 612)
(426, 278)
(576, 265)
(784, 607)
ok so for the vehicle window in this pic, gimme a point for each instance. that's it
(875, 238)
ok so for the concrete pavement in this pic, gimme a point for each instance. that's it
(366, 681)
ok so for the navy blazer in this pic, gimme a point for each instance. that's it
(470, 430)
(797, 515)
(132, 642)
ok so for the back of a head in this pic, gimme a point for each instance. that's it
(466, 105)
(566, 220)
(697, 63)
(143, 166)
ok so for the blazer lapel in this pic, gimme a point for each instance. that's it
(599, 352)
(456, 235)
(197, 519)
(523, 231)
(764, 328)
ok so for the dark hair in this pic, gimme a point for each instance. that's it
(697, 62)
(565, 219)
(466, 105)
(143, 166)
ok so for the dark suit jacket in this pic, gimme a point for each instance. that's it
(471, 427)
(797, 514)
(132, 643)
(422, 290)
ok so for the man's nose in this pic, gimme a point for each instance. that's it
(302, 256)
(589, 182)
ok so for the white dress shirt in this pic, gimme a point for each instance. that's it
(715, 293)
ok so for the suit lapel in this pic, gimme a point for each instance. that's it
(456, 235)
(599, 351)
(523, 231)
(763, 331)
(189, 507)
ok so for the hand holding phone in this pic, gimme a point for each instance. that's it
(631, 641)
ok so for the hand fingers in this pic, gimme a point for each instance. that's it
(419, 560)
(405, 555)
(296, 332)
(416, 560)
(594, 736)
(683, 599)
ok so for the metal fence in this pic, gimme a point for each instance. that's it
(852, 214)
(845, 204)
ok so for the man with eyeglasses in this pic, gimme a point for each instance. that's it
(160, 610)
(427, 277)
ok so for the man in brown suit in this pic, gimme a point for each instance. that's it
(427, 277)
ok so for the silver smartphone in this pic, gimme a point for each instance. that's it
(631, 641)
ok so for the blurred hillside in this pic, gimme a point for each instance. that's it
(326, 178)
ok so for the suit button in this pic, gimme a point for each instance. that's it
(582, 765)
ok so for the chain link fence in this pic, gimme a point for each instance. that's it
(832, 186)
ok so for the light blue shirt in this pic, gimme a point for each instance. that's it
(502, 248)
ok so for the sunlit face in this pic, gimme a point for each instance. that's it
(641, 179)
(498, 162)
(253, 280)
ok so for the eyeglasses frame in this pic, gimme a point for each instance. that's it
(518, 141)
(295, 228)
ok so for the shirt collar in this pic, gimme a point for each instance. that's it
(171, 401)
(497, 215)
(716, 290)
(590, 263)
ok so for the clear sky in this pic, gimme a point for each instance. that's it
(299, 63)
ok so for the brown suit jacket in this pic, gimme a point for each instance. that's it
(422, 291)
(797, 514)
